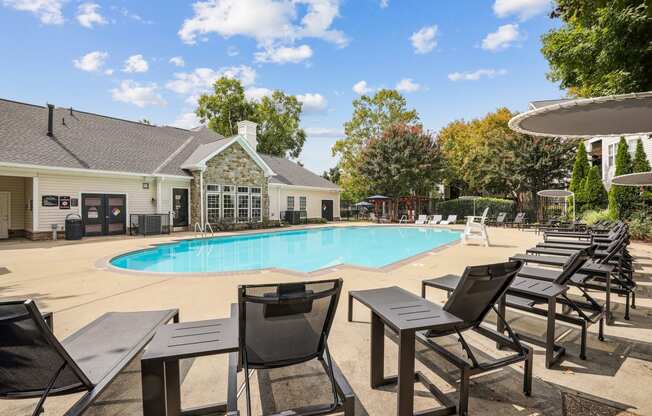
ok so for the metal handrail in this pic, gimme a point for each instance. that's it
(207, 227)
(199, 229)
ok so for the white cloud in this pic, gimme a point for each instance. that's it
(91, 62)
(48, 11)
(270, 22)
(476, 75)
(384, 4)
(425, 39)
(257, 93)
(323, 132)
(232, 51)
(136, 63)
(108, 72)
(201, 79)
(524, 9)
(177, 61)
(187, 121)
(361, 88)
(312, 102)
(408, 85)
(88, 15)
(501, 39)
(135, 16)
(284, 54)
(141, 95)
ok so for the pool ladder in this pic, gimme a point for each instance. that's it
(204, 230)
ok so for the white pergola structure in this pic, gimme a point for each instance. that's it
(556, 195)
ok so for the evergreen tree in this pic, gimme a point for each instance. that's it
(580, 172)
(624, 199)
(580, 168)
(640, 163)
(595, 196)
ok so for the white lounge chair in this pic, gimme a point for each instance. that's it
(423, 219)
(452, 219)
(476, 229)
(435, 219)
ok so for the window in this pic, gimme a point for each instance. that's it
(256, 207)
(228, 208)
(613, 150)
(213, 207)
(227, 188)
(213, 188)
(290, 203)
(255, 190)
(303, 203)
(243, 190)
(611, 153)
(243, 207)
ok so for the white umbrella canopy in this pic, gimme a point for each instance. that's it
(613, 115)
(555, 193)
(633, 179)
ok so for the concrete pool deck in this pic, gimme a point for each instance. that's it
(64, 278)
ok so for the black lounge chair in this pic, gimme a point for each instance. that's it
(518, 222)
(499, 221)
(528, 296)
(475, 294)
(287, 324)
(33, 363)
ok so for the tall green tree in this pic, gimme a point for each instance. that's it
(278, 116)
(602, 48)
(594, 194)
(403, 160)
(332, 174)
(225, 107)
(624, 198)
(581, 168)
(372, 114)
(640, 162)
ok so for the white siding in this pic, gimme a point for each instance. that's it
(139, 200)
(607, 169)
(278, 200)
(164, 204)
(16, 187)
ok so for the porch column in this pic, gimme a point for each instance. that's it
(35, 205)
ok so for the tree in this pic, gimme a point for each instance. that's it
(581, 168)
(332, 174)
(371, 116)
(526, 165)
(640, 163)
(603, 47)
(624, 198)
(225, 107)
(403, 160)
(146, 121)
(278, 117)
(595, 196)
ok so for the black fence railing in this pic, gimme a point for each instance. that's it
(295, 217)
(149, 224)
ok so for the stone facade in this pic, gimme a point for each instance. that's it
(233, 166)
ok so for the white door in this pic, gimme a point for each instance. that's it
(4, 214)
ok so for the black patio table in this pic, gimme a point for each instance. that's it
(590, 269)
(520, 287)
(160, 363)
(405, 313)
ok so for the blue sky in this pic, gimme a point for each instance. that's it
(151, 59)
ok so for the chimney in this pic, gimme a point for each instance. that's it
(50, 119)
(247, 129)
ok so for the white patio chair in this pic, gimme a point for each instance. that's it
(423, 219)
(476, 229)
(452, 219)
(435, 219)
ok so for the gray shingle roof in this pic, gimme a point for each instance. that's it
(289, 173)
(90, 141)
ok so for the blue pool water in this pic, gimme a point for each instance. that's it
(301, 250)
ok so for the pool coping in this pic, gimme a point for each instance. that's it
(104, 263)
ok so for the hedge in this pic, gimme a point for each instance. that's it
(464, 207)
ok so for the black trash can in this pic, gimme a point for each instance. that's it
(74, 227)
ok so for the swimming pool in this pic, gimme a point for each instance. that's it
(300, 250)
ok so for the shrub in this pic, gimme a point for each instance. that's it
(464, 207)
(640, 227)
(591, 217)
(594, 194)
